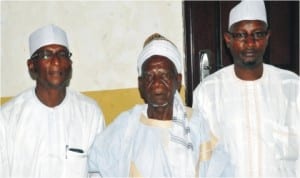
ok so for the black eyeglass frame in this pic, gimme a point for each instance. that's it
(40, 55)
(259, 35)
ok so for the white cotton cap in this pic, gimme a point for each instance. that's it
(162, 48)
(248, 10)
(47, 35)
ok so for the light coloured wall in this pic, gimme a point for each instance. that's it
(105, 38)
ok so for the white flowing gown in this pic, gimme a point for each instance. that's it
(258, 121)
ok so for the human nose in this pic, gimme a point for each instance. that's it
(250, 40)
(55, 59)
(159, 81)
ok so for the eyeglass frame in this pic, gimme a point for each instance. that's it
(259, 35)
(38, 55)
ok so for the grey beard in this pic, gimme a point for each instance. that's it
(156, 105)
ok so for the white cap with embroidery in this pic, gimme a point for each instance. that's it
(163, 48)
(248, 10)
(47, 35)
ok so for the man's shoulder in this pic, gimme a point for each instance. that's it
(220, 74)
(78, 97)
(223, 75)
(131, 113)
(125, 123)
(23, 97)
(277, 73)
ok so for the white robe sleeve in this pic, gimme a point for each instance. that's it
(104, 156)
(211, 158)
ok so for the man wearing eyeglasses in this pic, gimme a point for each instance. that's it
(251, 106)
(49, 128)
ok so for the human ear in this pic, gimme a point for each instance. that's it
(179, 79)
(32, 69)
(141, 88)
(227, 39)
(268, 34)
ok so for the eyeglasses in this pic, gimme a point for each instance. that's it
(244, 36)
(46, 55)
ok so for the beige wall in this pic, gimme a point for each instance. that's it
(105, 38)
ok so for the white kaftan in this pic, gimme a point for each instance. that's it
(137, 146)
(46, 142)
(258, 121)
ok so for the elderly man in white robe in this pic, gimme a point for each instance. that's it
(48, 128)
(162, 138)
(251, 106)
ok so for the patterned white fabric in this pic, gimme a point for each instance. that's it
(127, 141)
(132, 141)
(258, 121)
(181, 147)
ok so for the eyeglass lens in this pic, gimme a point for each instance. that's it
(46, 54)
(244, 36)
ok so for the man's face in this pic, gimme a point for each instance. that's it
(247, 41)
(51, 66)
(159, 81)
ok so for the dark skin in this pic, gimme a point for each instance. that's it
(52, 76)
(248, 54)
(157, 86)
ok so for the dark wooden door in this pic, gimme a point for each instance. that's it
(206, 21)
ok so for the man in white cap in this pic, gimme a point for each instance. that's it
(253, 107)
(49, 128)
(161, 138)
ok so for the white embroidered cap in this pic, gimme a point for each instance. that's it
(163, 48)
(248, 10)
(47, 35)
